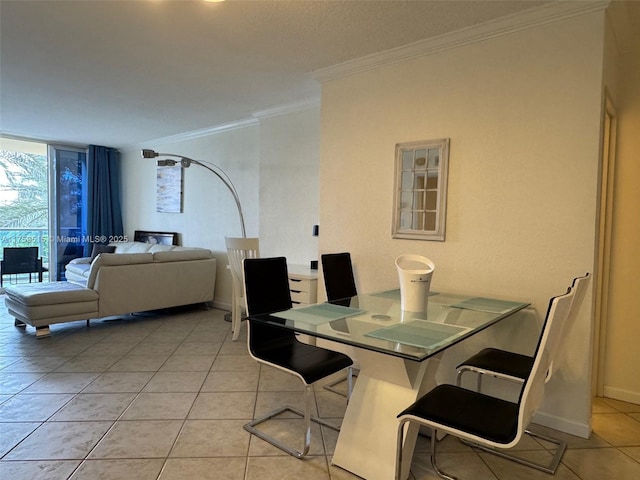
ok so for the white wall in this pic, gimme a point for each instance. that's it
(523, 115)
(209, 212)
(272, 163)
(289, 157)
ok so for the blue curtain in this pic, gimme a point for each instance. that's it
(104, 212)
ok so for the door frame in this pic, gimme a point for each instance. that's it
(605, 229)
(54, 228)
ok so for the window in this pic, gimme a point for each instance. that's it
(24, 208)
(42, 195)
(420, 198)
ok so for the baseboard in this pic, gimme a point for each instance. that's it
(562, 424)
(621, 394)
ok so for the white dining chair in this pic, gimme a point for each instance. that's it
(237, 250)
(491, 423)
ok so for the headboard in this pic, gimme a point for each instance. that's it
(162, 238)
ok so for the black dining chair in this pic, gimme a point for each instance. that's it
(267, 291)
(340, 286)
(489, 423)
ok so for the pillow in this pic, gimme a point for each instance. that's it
(99, 248)
(161, 248)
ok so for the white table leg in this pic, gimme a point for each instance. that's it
(386, 385)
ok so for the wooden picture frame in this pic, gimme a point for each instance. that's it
(420, 196)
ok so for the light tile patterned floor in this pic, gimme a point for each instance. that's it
(164, 396)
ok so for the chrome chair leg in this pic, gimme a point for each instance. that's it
(349, 378)
(440, 473)
(550, 468)
(478, 375)
(306, 415)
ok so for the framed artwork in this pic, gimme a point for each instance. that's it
(169, 189)
(160, 238)
(420, 196)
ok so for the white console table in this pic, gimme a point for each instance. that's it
(303, 283)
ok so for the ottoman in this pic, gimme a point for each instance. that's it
(41, 304)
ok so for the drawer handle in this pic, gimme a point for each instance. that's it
(295, 280)
(296, 291)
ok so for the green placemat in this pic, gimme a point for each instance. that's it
(318, 314)
(487, 305)
(418, 333)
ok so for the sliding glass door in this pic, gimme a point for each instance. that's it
(43, 201)
(67, 174)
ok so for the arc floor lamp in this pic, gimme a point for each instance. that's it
(186, 162)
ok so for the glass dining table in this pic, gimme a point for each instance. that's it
(398, 353)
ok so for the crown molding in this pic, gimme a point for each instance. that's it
(494, 28)
(289, 108)
(203, 132)
(247, 122)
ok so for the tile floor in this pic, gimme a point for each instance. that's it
(164, 396)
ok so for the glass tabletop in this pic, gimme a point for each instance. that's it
(376, 322)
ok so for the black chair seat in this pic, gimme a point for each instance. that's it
(496, 360)
(469, 411)
(311, 362)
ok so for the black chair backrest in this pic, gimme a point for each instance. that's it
(266, 283)
(338, 276)
(20, 259)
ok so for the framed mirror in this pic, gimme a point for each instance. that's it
(420, 197)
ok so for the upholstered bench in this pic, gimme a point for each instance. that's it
(41, 304)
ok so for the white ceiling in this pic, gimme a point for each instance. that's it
(120, 73)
